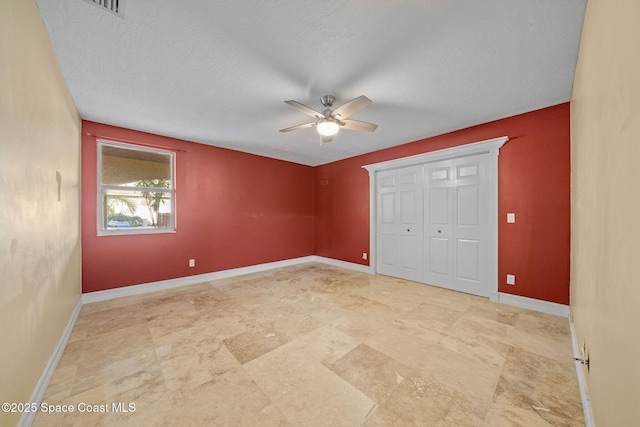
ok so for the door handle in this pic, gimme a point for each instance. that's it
(439, 231)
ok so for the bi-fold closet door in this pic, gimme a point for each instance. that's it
(400, 223)
(456, 218)
(432, 223)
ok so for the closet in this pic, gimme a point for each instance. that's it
(434, 217)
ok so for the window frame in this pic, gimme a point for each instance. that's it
(102, 188)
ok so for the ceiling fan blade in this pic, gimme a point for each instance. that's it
(302, 126)
(309, 111)
(358, 125)
(324, 139)
(350, 108)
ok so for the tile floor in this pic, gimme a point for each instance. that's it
(315, 345)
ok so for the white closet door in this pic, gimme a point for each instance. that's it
(456, 206)
(456, 224)
(439, 223)
(400, 228)
(470, 225)
(433, 224)
(387, 239)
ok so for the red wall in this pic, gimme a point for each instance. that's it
(233, 210)
(534, 182)
(236, 209)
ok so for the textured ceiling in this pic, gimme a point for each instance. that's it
(217, 72)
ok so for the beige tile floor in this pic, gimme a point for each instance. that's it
(315, 345)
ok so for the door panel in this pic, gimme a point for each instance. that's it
(408, 207)
(439, 260)
(387, 246)
(439, 173)
(409, 262)
(408, 253)
(468, 205)
(468, 170)
(471, 226)
(439, 206)
(400, 227)
(388, 208)
(387, 181)
(387, 254)
(408, 176)
(439, 223)
(468, 260)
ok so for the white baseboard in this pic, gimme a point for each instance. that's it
(126, 291)
(556, 309)
(344, 264)
(199, 278)
(582, 383)
(41, 387)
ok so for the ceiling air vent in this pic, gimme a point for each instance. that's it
(114, 6)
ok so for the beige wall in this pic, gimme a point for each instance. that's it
(605, 266)
(40, 275)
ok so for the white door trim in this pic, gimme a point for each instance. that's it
(489, 146)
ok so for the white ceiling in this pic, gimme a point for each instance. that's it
(217, 72)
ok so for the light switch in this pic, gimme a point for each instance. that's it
(511, 217)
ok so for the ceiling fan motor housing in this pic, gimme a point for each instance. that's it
(327, 100)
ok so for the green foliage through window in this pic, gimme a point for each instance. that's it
(136, 189)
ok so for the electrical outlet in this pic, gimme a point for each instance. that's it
(511, 218)
(192, 263)
(511, 279)
(364, 255)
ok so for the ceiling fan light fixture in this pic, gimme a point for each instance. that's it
(329, 122)
(327, 127)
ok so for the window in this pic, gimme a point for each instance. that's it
(135, 189)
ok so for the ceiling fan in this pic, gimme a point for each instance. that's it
(329, 122)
